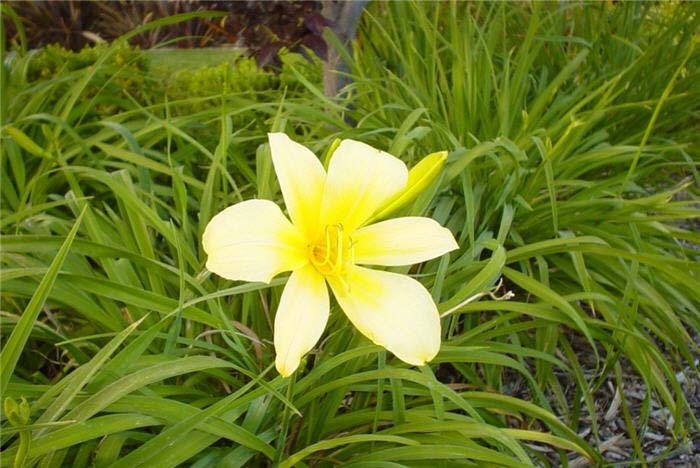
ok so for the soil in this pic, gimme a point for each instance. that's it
(659, 446)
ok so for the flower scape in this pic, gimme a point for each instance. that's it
(328, 242)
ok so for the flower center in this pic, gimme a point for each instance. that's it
(332, 252)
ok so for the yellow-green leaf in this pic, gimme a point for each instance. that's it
(329, 152)
(25, 142)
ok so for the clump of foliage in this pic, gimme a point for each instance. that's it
(243, 75)
(573, 135)
(241, 83)
(129, 353)
(120, 72)
(54, 59)
(127, 75)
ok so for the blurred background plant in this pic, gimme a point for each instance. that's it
(572, 175)
(260, 27)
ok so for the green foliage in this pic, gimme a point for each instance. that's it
(572, 174)
(296, 69)
(573, 144)
(53, 59)
(243, 75)
(121, 75)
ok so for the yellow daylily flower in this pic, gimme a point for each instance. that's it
(325, 243)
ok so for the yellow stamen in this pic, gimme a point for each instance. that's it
(334, 254)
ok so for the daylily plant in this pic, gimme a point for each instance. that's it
(326, 242)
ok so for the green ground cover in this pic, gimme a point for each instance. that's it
(170, 60)
(572, 176)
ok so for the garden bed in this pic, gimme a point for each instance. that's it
(570, 180)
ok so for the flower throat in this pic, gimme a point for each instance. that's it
(332, 252)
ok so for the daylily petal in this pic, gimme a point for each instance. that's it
(401, 241)
(301, 178)
(253, 241)
(360, 179)
(301, 318)
(394, 311)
